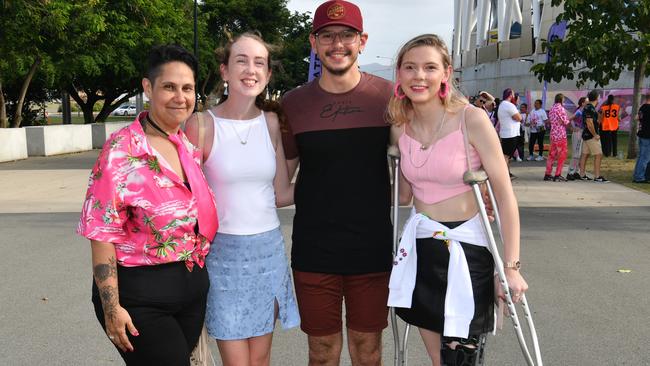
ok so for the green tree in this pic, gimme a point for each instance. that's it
(27, 29)
(291, 69)
(277, 26)
(604, 38)
(107, 64)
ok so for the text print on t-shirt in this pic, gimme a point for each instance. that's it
(333, 110)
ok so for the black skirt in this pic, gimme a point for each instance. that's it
(428, 305)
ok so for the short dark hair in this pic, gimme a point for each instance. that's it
(581, 101)
(593, 95)
(524, 105)
(507, 93)
(559, 97)
(610, 99)
(163, 54)
(538, 101)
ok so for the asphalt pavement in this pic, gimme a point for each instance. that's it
(585, 255)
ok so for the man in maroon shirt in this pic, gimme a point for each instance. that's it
(341, 242)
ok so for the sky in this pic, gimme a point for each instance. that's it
(390, 23)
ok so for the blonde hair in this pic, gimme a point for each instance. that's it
(399, 109)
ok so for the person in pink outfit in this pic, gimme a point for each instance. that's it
(559, 121)
(150, 216)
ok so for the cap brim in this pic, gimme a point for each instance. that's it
(336, 23)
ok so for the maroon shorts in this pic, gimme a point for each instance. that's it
(320, 297)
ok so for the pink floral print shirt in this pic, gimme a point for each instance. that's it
(559, 120)
(143, 208)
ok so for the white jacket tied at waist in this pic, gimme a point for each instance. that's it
(459, 299)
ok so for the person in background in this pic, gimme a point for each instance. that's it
(493, 109)
(510, 125)
(611, 117)
(538, 120)
(591, 139)
(524, 132)
(485, 101)
(150, 216)
(244, 164)
(641, 167)
(440, 283)
(559, 121)
(577, 125)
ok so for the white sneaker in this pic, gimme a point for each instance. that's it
(530, 158)
(519, 159)
(539, 158)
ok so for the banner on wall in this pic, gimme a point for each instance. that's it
(314, 66)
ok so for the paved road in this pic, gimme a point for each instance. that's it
(575, 236)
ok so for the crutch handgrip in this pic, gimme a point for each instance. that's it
(393, 152)
(475, 177)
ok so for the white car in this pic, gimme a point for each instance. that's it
(125, 110)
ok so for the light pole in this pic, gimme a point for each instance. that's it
(196, 50)
(392, 62)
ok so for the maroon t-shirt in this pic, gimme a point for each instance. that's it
(342, 223)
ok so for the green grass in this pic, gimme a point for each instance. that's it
(79, 119)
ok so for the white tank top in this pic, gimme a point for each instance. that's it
(241, 175)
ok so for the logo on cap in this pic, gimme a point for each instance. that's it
(336, 11)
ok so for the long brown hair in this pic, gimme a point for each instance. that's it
(399, 109)
(261, 102)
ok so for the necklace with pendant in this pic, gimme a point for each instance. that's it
(241, 140)
(424, 147)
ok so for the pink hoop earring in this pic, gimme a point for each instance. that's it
(396, 91)
(444, 90)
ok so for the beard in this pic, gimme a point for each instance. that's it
(338, 71)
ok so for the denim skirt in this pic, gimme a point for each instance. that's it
(248, 275)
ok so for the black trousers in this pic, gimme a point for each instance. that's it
(520, 145)
(609, 142)
(167, 306)
(536, 138)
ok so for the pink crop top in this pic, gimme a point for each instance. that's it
(441, 175)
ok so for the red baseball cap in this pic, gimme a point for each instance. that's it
(337, 12)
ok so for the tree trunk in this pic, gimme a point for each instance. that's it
(87, 105)
(18, 118)
(3, 109)
(110, 105)
(639, 72)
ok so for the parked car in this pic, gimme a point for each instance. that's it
(125, 110)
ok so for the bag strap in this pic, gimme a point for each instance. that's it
(463, 126)
(201, 139)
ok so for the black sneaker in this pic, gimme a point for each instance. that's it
(572, 176)
(559, 178)
(601, 179)
(548, 178)
(585, 177)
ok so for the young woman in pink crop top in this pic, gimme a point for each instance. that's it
(427, 113)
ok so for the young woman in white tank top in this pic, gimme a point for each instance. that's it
(244, 163)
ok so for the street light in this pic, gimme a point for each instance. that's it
(196, 49)
(392, 60)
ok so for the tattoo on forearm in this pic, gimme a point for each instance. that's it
(109, 297)
(105, 270)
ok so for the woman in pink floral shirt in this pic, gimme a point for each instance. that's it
(559, 121)
(151, 216)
